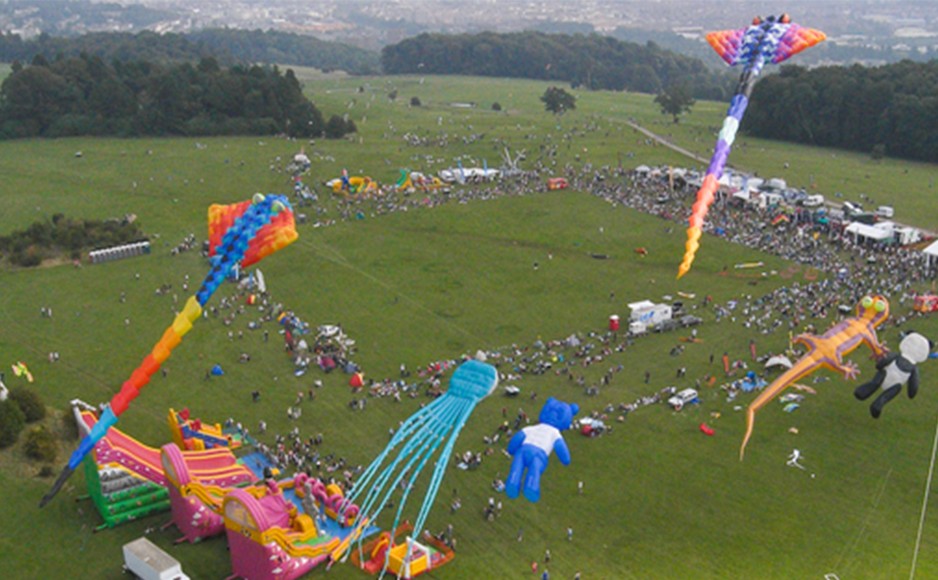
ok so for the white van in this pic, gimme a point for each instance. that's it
(813, 201)
(684, 397)
(850, 208)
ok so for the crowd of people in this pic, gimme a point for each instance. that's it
(851, 269)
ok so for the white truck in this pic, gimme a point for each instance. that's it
(648, 314)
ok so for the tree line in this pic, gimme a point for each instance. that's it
(227, 46)
(62, 236)
(888, 110)
(591, 61)
(85, 96)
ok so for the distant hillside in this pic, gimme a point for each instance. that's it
(108, 46)
(593, 61)
(228, 47)
(833, 51)
(287, 48)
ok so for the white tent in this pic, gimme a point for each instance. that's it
(876, 234)
(743, 195)
(778, 360)
(931, 252)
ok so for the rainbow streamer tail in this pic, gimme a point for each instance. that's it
(705, 196)
(242, 234)
(57, 486)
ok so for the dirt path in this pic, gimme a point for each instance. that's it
(668, 144)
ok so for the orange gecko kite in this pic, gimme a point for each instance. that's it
(827, 351)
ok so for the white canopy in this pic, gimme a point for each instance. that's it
(932, 249)
(870, 232)
(778, 360)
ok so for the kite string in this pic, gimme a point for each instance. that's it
(856, 540)
(340, 259)
(921, 521)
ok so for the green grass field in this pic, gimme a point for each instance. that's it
(660, 499)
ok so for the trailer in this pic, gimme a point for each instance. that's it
(148, 561)
(649, 313)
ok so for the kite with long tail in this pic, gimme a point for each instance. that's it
(414, 446)
(239, 235)
(771, 40)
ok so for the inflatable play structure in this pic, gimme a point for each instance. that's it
(353, 185)
(462, 174)
(555, 183)
(414, 181)
(192, 434)
(925, 303)
(126, 480)
(195, 497)
(387, 547)
(283, 530)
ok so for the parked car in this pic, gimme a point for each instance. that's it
(851, 208)
(690, 320)
(813, 201)
(666, 325)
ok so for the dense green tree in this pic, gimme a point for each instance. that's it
(40, 444)
(335, 126)
(35, 97)
(588, 60)
(84, 96)
(675, 100)
(29, 402)
(12, 422)
(227, 46)
(892, 108)
(64, 237)
(558, 101)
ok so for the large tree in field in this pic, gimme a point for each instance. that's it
(558, 101)
(675, 100)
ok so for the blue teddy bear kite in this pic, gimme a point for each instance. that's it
(532, 446)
